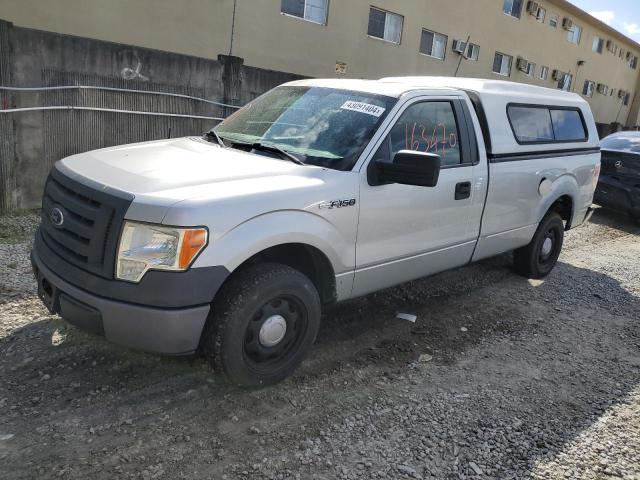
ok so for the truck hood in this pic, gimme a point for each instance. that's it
(167, 168)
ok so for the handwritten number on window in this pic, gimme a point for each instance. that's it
(417, 138)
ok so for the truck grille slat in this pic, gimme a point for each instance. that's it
(67, 238)
(92, 218)
(52, 242)
(74, 222)
(71, 202)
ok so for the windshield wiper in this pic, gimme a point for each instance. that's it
(213, 135)
(270, 147)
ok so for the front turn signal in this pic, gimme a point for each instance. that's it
(193, 241)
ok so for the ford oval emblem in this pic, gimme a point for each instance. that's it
(56, 216)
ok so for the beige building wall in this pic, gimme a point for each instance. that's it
(268, 39)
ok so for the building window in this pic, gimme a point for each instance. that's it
(627, 97)
(502, 64)
(473, 51)
(385, 25)
(565, 82)
(598, 44)
(544, 73)
(633, 63)
(311, 10)
(541, 14)
(512, 8)
(588, 88)
(574, 34)
(433, 44)
(531, 69)
(553, 21)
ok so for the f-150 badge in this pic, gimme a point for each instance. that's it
(338, 203)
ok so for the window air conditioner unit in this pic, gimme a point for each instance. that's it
(602, 88)
(533, 7)
(567, 23)
(459, 46)
(557, 75)
(523, 65)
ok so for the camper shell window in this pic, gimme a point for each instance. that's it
(540, 124)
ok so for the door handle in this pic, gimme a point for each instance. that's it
(463, 190)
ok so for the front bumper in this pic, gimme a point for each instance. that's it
(163, 330)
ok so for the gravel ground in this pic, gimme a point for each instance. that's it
(500, 377)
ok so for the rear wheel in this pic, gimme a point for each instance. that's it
(537, 259)
(262, 323)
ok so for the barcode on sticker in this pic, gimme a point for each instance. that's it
(363, 108)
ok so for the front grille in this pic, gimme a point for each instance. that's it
(88, 234)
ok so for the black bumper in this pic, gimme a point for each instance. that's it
(163, 313)
(196, 286)
(612, 193)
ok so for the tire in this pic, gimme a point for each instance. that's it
(244, 335)
(537, 259)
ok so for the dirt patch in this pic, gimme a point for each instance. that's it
(500, 377)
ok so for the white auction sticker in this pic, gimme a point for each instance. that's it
(363, 108)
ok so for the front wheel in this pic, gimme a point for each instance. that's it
(537, 259)
(262, 323)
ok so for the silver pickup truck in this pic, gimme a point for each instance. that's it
(316, 192)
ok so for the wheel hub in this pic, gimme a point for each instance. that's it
(272, 331)
(547, 246)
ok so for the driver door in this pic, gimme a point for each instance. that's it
(405, 231)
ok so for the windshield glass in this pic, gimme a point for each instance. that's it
(628, 143)
(321, 126)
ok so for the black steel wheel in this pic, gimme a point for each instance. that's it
(275, 330)
(537, 259)
(262, 323)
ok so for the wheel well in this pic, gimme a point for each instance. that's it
(564, 207)
(304, 258)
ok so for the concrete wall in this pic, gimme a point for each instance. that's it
(265, 38)
(7, 163)
(30, 142)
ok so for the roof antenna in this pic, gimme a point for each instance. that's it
(462, 55)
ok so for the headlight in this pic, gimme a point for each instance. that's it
(153, 247)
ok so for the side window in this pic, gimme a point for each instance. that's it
(539, 124)
(531, 124)
(568, 126)
(426, 127)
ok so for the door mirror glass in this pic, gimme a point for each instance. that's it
(408, 168)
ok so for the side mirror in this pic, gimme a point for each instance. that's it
(408, 168)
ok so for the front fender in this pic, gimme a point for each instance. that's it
(276, 228)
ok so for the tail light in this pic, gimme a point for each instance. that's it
(596, 174)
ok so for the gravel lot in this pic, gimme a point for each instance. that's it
(500, 377)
